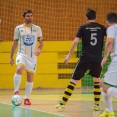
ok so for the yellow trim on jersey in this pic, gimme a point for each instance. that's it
(40, 38)
(110, 38)
(15, 39)
(30, 71)
(20, 64)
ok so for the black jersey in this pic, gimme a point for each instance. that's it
(92, 35)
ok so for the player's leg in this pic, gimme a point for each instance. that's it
(78, 73)
(110, 82)
(108, 103)
(95, 72)
(108, 112)
(109, 86)
(67, 93)
(97, 93)
(28, 88)
(20, 62)
(30, 68)
(112, 91)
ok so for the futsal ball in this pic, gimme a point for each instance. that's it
(16, 100)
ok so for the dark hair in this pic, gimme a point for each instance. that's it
(25, 12)
(111, 17)
(91, 14)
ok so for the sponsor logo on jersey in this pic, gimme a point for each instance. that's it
(28, 40)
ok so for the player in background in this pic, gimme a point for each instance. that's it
(92, 35)
(25, 37)
(109, 86)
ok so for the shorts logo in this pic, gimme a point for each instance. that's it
(28, 40)
(18, 61)
(34, 67)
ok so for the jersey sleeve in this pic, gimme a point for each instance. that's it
(79, 32)
(39, 34)
(16, 34)
(110, 33)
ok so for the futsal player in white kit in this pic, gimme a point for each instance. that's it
(109, 86)
(26, 37)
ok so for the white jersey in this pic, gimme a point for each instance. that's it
(112, 33)
(27, 39)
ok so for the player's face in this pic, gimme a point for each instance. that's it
(28, 18)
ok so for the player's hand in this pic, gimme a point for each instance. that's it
(103, 61)
(37, 52)
(67, 59)
(11, 61)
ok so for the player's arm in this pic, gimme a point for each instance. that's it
(74, 44)
(14, 45)
(108, 47)
(109, 43)
(41, 44)
(13, 49)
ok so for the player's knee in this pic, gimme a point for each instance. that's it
(30, 77)
(101, 82)
(105, 88)
(74, 81)
(96, 79)
(19, 69)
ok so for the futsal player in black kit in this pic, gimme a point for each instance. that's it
(92, 35)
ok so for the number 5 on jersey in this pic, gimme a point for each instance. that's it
(93, 39)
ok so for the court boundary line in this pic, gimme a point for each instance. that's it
(36, 110)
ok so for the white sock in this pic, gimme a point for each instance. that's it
(28, 89)
(112, 91)
(17, 81)
(107, 100)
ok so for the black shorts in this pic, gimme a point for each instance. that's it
(82, 66)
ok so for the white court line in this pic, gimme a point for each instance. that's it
(35, 110)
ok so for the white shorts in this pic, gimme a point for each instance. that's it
(111, 74)
(28, 62)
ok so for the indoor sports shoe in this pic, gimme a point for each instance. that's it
(111, 114)
(16, 93)
(106, 114)
(27, 102)
(96, 107)
(60, 107)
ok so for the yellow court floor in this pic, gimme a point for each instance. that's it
(43, 102)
